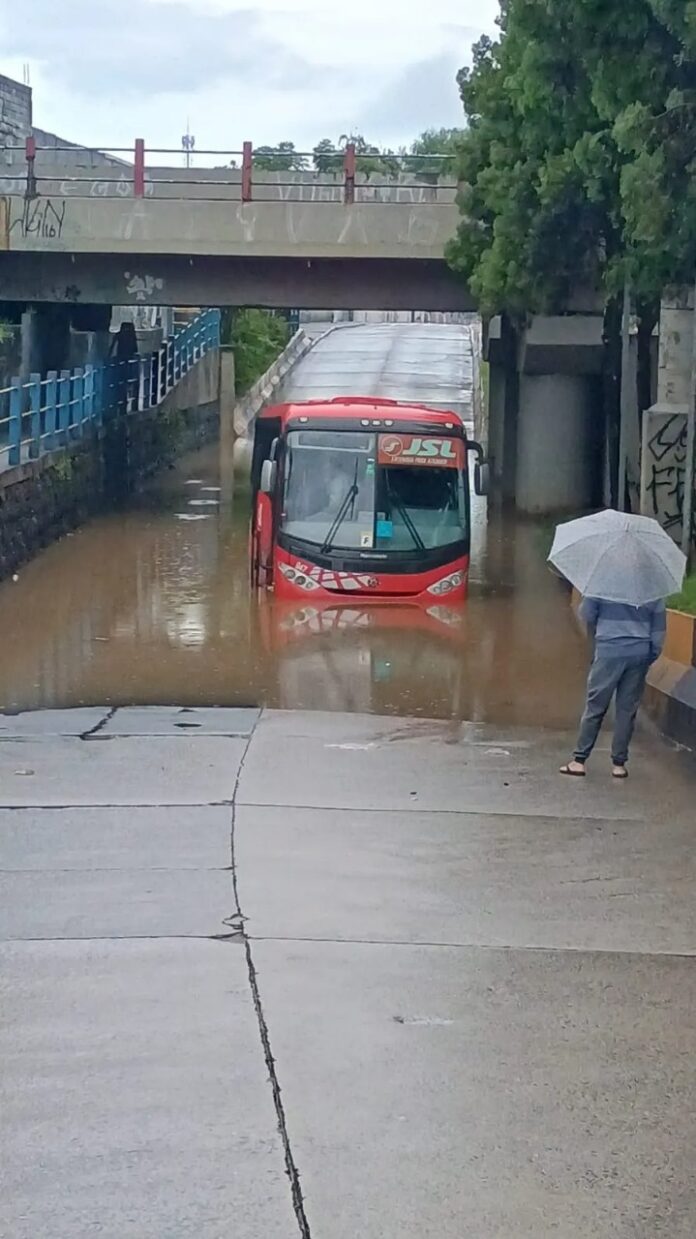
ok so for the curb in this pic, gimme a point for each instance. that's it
(246, 409)
(670, 700)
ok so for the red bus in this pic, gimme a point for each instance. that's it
(359, 497)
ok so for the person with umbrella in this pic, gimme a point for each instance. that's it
(624, 566)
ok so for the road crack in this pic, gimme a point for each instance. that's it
(239, 921)
(94, 731)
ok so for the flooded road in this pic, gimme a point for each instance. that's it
(151, 605)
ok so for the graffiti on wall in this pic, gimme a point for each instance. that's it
(224, 184)
(40, 218)
(142, 287)
(81, 187)
(664, 470)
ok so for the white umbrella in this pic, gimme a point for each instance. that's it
(619, 557)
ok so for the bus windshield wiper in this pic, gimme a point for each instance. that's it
(405, 516)
(348, 500)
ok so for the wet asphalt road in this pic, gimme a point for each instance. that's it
(363, 965)
(327, 975)
(428, 363)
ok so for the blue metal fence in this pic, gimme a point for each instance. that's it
(47, 413)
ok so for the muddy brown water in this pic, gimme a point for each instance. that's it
(151, 605)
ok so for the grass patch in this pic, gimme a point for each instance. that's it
(686, 600)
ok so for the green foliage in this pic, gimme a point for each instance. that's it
(63, 469)
(686, 600)
(327, 157)
(258, 338)
(445, 142)
(369, 159)
(580, 155)
(280, 158)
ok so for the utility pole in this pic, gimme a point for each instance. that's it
(690, 443)
(627, 400)
(188, 142)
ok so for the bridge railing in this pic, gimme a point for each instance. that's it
(239, 176)
(52, 411)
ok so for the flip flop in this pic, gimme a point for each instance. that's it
(622, 775)
(573, 774)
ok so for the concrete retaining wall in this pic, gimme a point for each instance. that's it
(670, 700)
(44, 499)
(262, 392)
(671, 694)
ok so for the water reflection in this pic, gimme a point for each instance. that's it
(152, 606)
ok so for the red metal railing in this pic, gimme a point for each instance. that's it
(337, 174)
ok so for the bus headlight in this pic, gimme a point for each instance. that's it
(447, 584)
(298, 578)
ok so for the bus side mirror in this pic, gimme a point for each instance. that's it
(482, 478)
(482, 473)
(269, 473)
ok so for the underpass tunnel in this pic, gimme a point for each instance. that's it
(151, 604)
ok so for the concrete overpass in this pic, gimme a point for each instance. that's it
(77, 235)
(224, 236)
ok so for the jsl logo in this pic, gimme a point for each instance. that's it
(418, 449)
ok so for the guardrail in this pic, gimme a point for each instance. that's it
(51, 412)
(341, 175)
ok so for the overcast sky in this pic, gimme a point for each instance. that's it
(106, 71)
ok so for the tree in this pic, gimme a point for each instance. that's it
(258, 337)
(594, 102)
(531, 226)
(421, 160)
(369, 159)
(545, 170)
(327, 157)
(280, 158)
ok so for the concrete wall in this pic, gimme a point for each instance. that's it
(44, 499)
(558, 443)
(150, 226)
(15, 112)
(16, 124)
(546, 412)
(114, 178)
(275, 283)
(63, 155)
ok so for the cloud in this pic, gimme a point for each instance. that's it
(137, 48)
(106, 70)
(423, 96)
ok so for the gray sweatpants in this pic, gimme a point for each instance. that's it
(624, 677)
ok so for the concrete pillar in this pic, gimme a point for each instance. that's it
(558, 443)
(30, 352)
(227, 387)
(503, 396)
(500, 351)
(676, 350)
(54, 336)
(665, 425)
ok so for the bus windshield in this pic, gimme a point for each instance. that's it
(348, 490)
